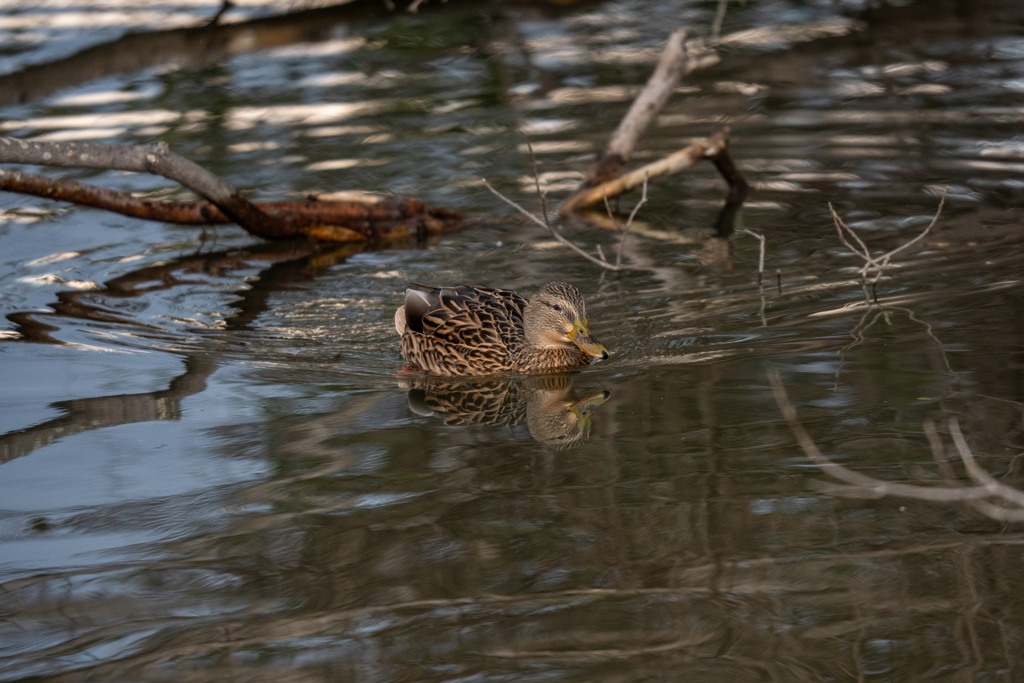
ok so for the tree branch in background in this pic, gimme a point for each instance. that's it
(675, 62)
(323, 220)
(629, 221)
(711, 148)
(604, 177)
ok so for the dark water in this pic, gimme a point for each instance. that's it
(212, 469)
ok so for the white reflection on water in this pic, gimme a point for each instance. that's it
(53, 279)
(331, 80)
(53, 258)
(337, 164)
(95, 19)
(240, 118)
(81, 134)
(107, 120)
(89, 99)
(324, 49)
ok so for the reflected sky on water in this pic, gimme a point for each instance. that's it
(211, 466)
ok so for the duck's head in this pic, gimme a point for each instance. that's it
(556, 317)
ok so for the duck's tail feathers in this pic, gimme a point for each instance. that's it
(417, 305)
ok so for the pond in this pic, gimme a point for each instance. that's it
(213, 467)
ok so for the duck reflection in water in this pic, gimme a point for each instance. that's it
(555, 415)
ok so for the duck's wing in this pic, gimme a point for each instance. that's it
(468, 316)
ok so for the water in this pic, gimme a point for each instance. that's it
(213, 468)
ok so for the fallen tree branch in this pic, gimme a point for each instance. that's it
(330, 221)
(710, 148)
(323, 220)
(155, 158)
(603, 179)
(675, 62)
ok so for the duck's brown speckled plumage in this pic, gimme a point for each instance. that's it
(466, 331)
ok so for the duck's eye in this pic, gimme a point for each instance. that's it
(557, 308)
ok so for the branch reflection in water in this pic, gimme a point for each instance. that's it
(554, 413)
(283, 265)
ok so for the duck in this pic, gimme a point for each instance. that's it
(466, 331)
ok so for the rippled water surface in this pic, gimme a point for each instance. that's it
(214, 469)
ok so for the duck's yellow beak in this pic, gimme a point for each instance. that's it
(581, 337)
(583, 409)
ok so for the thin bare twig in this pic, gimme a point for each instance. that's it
(551, 230)
(760, 273)
(878, 265)
(760, 262)
(938, 212)
(629, 222)
(536, 179)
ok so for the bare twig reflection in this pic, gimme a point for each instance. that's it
(881, 311)
(83, 415)
(295, 262)
(863, 486)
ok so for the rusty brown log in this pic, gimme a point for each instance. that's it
(330, 221)
(155, 158)
(327, 221)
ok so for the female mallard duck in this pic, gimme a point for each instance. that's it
(463, 331)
